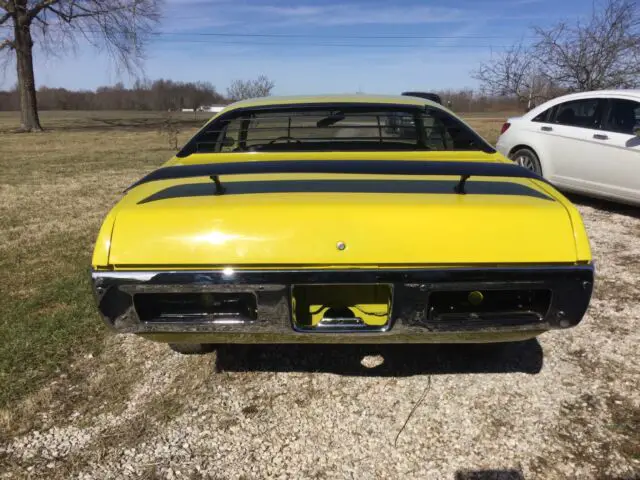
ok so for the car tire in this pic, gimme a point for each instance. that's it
(193, 348)
(527, 159)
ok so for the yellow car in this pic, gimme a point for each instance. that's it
(351, 219)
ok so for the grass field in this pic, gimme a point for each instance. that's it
(56, 188)
(76, 401)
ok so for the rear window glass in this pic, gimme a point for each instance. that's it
(335, 129)
(328, 126)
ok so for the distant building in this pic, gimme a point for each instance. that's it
(211, 108)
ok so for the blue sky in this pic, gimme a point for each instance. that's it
(318, 52)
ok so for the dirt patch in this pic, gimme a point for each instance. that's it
(595, 434)
(625, 422)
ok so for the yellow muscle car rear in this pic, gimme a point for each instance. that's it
(341, 219)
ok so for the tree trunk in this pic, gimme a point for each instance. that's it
(30, 122)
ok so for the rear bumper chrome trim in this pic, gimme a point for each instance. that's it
(570, 287)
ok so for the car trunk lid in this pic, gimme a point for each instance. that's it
(386, 222)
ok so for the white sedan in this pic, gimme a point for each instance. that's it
(586, 143)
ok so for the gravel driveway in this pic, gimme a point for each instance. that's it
(564, 406)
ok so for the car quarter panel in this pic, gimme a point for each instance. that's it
(532, 135)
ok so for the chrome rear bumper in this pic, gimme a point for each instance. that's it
(417, 313)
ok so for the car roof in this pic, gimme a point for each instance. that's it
(320, 99)
(599, 93)
(630, 93)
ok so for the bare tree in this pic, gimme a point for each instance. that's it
(511, 74)
(602, 53)
(242, 89)
(121, 27)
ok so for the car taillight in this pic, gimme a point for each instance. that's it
(505, 127)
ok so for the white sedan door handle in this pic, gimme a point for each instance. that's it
(546, 129)
(599, 136)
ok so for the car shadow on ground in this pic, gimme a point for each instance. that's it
(384, 360)
(604, 205)
(509, 474)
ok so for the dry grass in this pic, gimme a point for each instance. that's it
(79, 120)
(488, 126)
(56, 188)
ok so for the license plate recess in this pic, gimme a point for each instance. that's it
(357, 307)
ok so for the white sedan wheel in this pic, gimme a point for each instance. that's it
(527, 159)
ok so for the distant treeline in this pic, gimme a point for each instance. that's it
(170, 95)
(467, 100)
(157, 95)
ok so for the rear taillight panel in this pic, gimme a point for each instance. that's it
(505, 127)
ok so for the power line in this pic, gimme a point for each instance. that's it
(336, 41)
(339, 45)
(174, 38)
(340, 37)
(315, 36)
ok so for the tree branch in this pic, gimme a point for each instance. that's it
(68, 17)
(40, 7)
(76, 10)
(5, 17)
(6, 43)
(6, 6)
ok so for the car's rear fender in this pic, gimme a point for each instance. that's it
(583, 248)
(527, 135)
